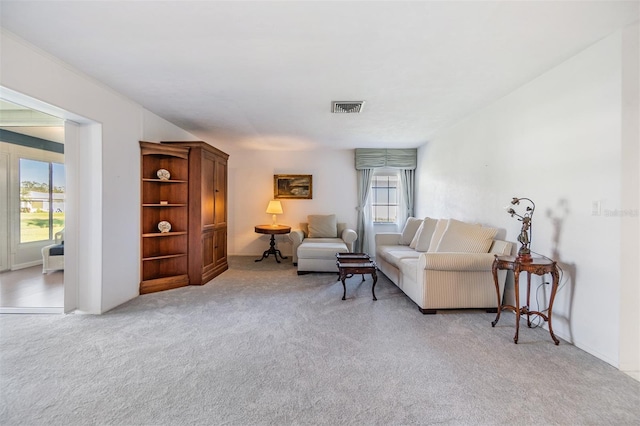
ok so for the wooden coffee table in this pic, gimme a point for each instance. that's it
(350, 264)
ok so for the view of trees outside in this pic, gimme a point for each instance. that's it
(42, 191)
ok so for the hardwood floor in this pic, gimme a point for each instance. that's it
(30, 288)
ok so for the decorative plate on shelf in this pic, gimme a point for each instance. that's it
(164, 226)
(163, 174)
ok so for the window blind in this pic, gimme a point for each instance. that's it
(373, 158)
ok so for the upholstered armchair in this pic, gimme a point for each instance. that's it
(317, 241)
(53, 254)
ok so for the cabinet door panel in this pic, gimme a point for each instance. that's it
(221, 193)
(208, 250)
(208, 174)
(220, 247)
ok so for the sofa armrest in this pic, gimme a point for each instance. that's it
(349, 236)
(387, 239)
(295, 236)
(500, 247)
(456, 261)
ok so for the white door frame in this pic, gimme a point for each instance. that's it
(83, 146)
(4, 212)
(71, 159)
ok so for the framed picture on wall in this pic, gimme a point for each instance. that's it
(293, 186)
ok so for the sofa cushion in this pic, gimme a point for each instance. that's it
(414, 241)
(500, 247)
(304, 227)
(57, 250)
(410, 229)
(321, 248)
(437, 235)
(426, 233)
(462, 237)
(383, 251)
(322, 226)
(393, 254)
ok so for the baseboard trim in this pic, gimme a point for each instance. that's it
(32, 310)
(25, 265)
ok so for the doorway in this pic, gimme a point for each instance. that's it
(32, 192)
(83, 203)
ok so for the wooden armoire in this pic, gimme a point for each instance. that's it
(207, 211)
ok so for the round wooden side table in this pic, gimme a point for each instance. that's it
(272, 230)
(538, 266)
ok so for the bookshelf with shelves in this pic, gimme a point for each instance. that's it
(164, 262)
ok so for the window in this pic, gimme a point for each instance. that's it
(42, 189)
(384, 197)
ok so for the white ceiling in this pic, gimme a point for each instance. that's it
(263, 74)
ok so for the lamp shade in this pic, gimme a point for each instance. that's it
(274, 207)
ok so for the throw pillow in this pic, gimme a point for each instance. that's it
(424, 239)
(414, 241)
(322, 226)
(410, 228)
(437, 235)
(466, 238)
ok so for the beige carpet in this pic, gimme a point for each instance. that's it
(261, 345)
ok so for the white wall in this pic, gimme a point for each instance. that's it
(251, 187)
(556, 140)
(630, 229)
(156, 129)
(112, 198)
(4, 211)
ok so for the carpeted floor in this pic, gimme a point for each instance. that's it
(260, 345)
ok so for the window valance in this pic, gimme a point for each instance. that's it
(373, 158)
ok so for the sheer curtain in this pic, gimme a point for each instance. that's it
(368, 159)
(365, 176)
(407, 181)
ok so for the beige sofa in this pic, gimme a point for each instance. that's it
(316, 242)
(443, 264)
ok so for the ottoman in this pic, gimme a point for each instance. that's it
(319, 255)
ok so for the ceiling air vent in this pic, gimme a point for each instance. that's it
(344, 107)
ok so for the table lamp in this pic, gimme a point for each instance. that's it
(274, 208)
